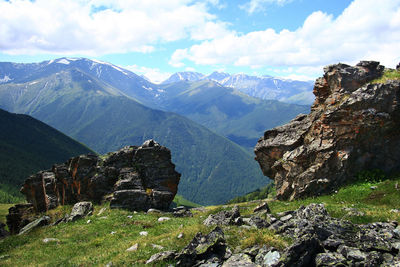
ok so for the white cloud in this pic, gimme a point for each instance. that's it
(364, 31)
(153, 74)
(96, 27)
(259, 5)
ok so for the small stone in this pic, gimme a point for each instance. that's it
(330, 259)
(161, 256)
(133, 248)
(263, 207)
(352, 253)
(50, 239)
(387, 257)
(271, 258)
(143, 233)
(396, 245)
(286, 218)
(163, 219)
(101, 211)
(225, 217)
(154, 211)
(80, 210)
(239, 260)
(88, 221)
(181, 235)
(157, 246)
(5, 256)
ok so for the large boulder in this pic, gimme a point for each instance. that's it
(353, 126)
(135, 178)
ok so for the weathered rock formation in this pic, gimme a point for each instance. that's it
(353, 126)
(135, 178)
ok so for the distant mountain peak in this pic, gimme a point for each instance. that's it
(184, 76)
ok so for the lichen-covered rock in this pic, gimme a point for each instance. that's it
(210, 248)
(353, 126)
(42, 221)
(80, 210)
(225, 217)
(135, 178)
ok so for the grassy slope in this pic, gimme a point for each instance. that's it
(389, 74)
(93, 244)
(213, 169)
(181, 201)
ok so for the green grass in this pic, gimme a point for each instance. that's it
(9, 194)
(389, 74)
(4, 211)
(376, 204)
(181, 201)
(83, 244)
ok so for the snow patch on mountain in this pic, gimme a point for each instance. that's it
(111, 65)
(5, 79)
(63, 61)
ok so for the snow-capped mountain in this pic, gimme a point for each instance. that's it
(217, 76)
(264, 87)
(268, 87)
(184, 76)
(127, 82)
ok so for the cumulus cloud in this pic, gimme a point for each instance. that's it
(155, 75)
(96, 27)
(364, 31)
(259, 5)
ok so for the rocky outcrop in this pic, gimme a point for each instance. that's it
(134, 178)
(353, 126)
(317, 240)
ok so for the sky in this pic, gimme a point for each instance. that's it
(285, 38)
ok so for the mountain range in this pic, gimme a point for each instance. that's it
(264, 87)
(107, 107)
(227, 111)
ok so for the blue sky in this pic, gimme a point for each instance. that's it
(286, 38)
